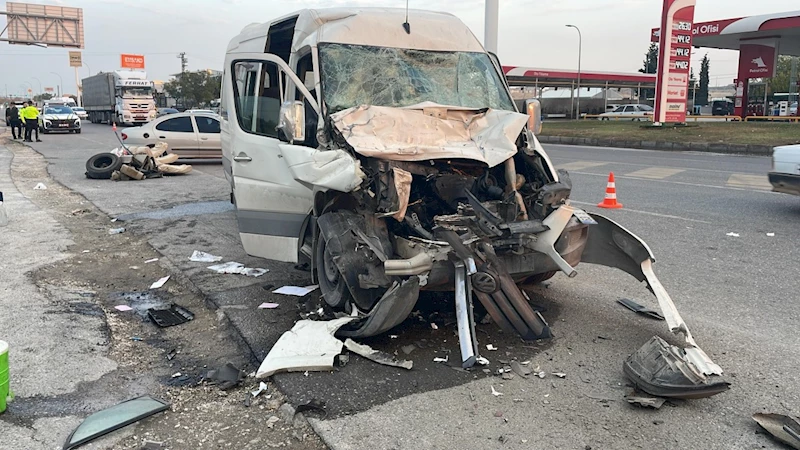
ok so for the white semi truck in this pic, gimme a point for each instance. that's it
(124, 97)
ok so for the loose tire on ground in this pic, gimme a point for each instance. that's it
(102, 165)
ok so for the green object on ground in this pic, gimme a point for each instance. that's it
(5, 390)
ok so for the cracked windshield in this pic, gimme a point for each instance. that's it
(354, 75)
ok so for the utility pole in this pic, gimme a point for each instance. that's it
(580, 45)
(184, 61)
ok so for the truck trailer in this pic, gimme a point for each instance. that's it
(121, 97)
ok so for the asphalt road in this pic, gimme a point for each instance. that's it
(735, 293)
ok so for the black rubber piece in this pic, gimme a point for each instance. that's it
(102, 165)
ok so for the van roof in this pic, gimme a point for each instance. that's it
(379, 27)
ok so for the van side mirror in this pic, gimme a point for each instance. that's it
(534, 110)
(293, 121)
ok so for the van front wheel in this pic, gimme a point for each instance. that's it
(331, 282)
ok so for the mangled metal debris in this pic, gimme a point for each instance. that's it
(784, 428)
(665, 370)
(226, 377)
(375, 355)
(639, 398)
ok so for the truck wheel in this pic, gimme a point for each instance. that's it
(331, 282)
(102, 165)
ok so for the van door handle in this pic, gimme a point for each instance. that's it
(203, 139)
(162, 137)
(242, 158)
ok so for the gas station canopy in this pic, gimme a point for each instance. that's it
(526, 76)
(729, 33)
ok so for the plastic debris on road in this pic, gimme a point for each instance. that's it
(297, 291)
(376, 355)
(40, 187)
(441, 360)
(309, 345)
(482, 361)
(123, 308)
(151, 260)
(261, 388)
(232, 267)
(770, 234)
(268, 305)
(434, 326)
(495, 393)
(159, 283)
(491, 347)
(116, 230)
(198, 256)
(731, 234)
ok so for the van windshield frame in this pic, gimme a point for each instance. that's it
(355, 75)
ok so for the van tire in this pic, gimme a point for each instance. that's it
(102, 165)
(331, 283)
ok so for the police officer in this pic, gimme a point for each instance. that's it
(12, 120)
(30, 117)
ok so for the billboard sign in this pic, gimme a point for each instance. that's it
(675, 50)
(75, 59)
(54, 26)
(128, 61)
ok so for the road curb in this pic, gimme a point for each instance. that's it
(732, 149)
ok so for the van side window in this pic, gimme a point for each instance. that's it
(257, 96)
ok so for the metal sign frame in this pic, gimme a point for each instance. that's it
(43, 25)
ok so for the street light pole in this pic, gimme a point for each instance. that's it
(40, 84)
(580, 45)
(60, 82)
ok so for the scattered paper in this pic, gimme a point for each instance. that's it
(261, 388)
(176, 374)
(482, 361)
(491, 347)
(433, 325)
(295, 290)
(771, 234)
(159, 283)
(116, 230)
(85, 251)
(40, 187)
(560, 374)
(123, 308)
(495, 393)
(393, 336)
(204, 257)
(540, 374)
(268, 305)
(441, 360)
(732, 234)
(232, 267)
(151, 260)
(134, 267)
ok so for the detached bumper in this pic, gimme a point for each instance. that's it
(786, 183)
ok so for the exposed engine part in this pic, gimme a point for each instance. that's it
(465, 317)
(415, 265)
(484, 282)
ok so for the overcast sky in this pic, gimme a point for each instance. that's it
(616, 33)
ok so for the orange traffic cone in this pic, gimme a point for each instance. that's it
(114, 127)
(611, 194)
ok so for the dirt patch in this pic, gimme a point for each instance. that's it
(105, 270)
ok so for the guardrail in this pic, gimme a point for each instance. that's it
(772, 118)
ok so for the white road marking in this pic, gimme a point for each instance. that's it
(580, 165)
(651, 165)
(665, 216)
(655, 172)
(679, 182)
(749, 181)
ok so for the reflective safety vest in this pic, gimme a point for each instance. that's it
(29, 113)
